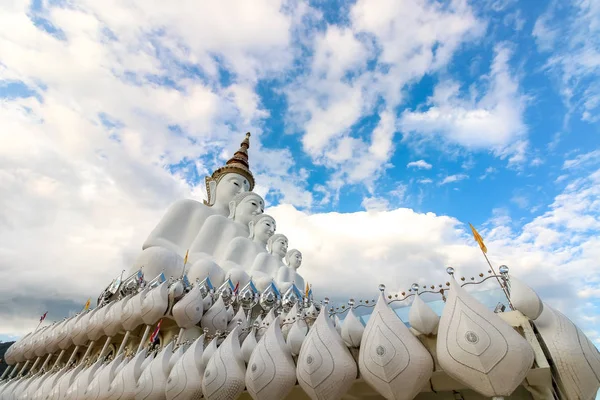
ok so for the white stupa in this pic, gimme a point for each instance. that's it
(215, 307)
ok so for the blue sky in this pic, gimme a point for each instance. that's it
(428, 115)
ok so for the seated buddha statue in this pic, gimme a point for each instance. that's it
(266, 265)
(179, 227)
(241, 251)
(288, 275)
(218, 231)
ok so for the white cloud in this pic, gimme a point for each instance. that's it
(400, 45)
(420, 164)
(583, 160)
(494, 121)
(425, 181)
(568, 33)
(453, 178)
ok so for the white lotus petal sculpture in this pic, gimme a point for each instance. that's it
(225, 373)
(326, 369)
(188, 311)
(271, 373)
(207, 354)
(391, 359)
(155, 303)
(476, 347)
(153, 381)
(124, 385)
(422, 318)
(185, 379)
(525, 299)
(100, 385)
(215, 319)
(296, 336)
(352, 330)
(240, 317)
(576, 359)
(248, 345)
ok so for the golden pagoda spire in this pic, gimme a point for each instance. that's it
(237, 164)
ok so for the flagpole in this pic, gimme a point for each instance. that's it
(483, 249)
(498, 279)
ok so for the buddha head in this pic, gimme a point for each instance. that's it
(245, 207)
(293, 258)
(232, 178)
(277, 245)
(262, 228)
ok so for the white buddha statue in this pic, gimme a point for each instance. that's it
(184, 219)
(266, 265)
(241, 251)
(288, 275)
(218, 231)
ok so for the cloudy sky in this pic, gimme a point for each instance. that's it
(380, 128)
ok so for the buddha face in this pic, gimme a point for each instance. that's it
(264, 229)
(249, 207)
(295, 260)
(230, 185)
(280, 247)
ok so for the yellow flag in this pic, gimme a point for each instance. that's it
(478, 238)
(307, 290)
(87, 304)
(186, 256)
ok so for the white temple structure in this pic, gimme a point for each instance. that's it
(215, 307)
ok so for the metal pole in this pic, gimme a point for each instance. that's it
(14, 370)
(88, 351)
(123, 343)
(37, 361)
(499, 283)
(105, 348)
(23, 369)
(6, 371)
(45, 364)
(144, 338)
(73, 355)
(60, 356)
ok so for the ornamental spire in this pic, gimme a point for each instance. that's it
(237, 164)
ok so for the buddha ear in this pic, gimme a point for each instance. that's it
(251, 230)
(231, 209)
(212, 192)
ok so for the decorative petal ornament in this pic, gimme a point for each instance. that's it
(207, 354)
(132, 312)
(123, 387)
(271, 373)
(576, 359)
(185, 379)
(291, 297)
(296, 336)
(240, 316)
(264, 325)
(230, 313)
(153, 381)
(422, 318)
(226, 292)
(326, 369)
(270, 297)
(155, 303)
(215, 319)
(476, 347)
(391, 359)
(225, 372)
(80, 384)
(352, 330)
(100, 385)
(338, 324)
(525, 299)
(249, 345)
(187, 312)
(289, 320)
